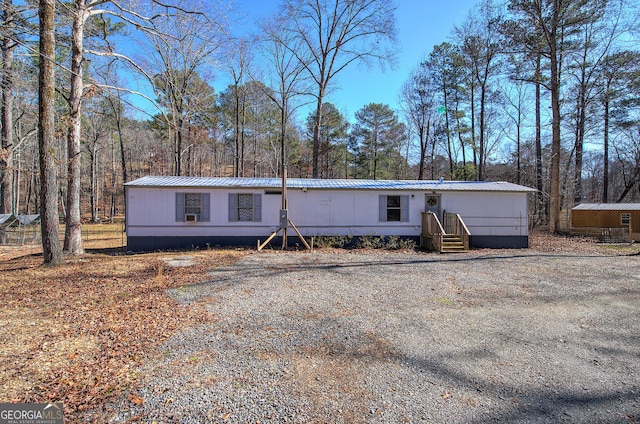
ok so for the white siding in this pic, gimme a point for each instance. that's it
(151, 212)
(490, 213)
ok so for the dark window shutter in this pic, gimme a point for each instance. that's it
(233, 207)
(206, 207)
(382, 206)
(404, 208)
(179, 207)
(257, 207)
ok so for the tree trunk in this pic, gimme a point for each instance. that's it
(423, 153)
(316, 136)
(446, 121)
(518, 148)
(242, 132)
(481, 159)
(579, 141)
(6, 158)
(462, 147)
(472, 89)
(540, 202)
(179, 146)
(92, 185)
(605, 165)
(52, 253)
(73, 227)
(554, 205)
(114, 184)
(123, 159)
(629, 185)
(283, 132)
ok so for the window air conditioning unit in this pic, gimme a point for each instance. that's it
(191, 217)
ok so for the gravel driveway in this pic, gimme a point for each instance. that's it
(346, 337)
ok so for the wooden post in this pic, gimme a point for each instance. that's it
(300, 235)
(284, 204)
(284, 220)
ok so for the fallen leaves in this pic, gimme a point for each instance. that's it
(135, 399)
(77, 333)
(545, 242)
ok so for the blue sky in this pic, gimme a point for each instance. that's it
(421, 25)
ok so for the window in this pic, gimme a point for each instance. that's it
(625, 218)
(192, 207)
(394, 208)
(245, 207)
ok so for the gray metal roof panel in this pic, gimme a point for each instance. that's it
(28, 219)
(608, 207)
(329, 184)
(6, 218)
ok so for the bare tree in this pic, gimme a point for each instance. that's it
(418, 98)
(286, 77)
(335, 34)
(618, 72)
(239, 58)
(181, 47)
(516, 98)
(480, 44)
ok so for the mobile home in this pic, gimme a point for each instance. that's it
(185, 212)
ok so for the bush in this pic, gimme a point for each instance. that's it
(332, 241)
(386, 243)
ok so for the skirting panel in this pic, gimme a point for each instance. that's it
(499, 242)
(147, 244)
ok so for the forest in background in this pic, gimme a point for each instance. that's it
(543, 93)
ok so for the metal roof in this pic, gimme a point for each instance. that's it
(6, 219)
(607, 207)
(320, 184)
(28, 219)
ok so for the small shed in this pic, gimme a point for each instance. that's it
(19, 229)
(608, 221)
(6, 220)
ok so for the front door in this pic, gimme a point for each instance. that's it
(432, 204)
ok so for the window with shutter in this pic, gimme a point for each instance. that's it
(394, 208)
(245, 207)
(192, 207)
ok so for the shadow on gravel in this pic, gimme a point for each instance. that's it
(224, 278)
(602, 346)
(532, 406)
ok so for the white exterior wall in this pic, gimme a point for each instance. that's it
(151, 212)
(490, 213)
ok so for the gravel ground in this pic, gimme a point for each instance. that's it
(346, 337)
